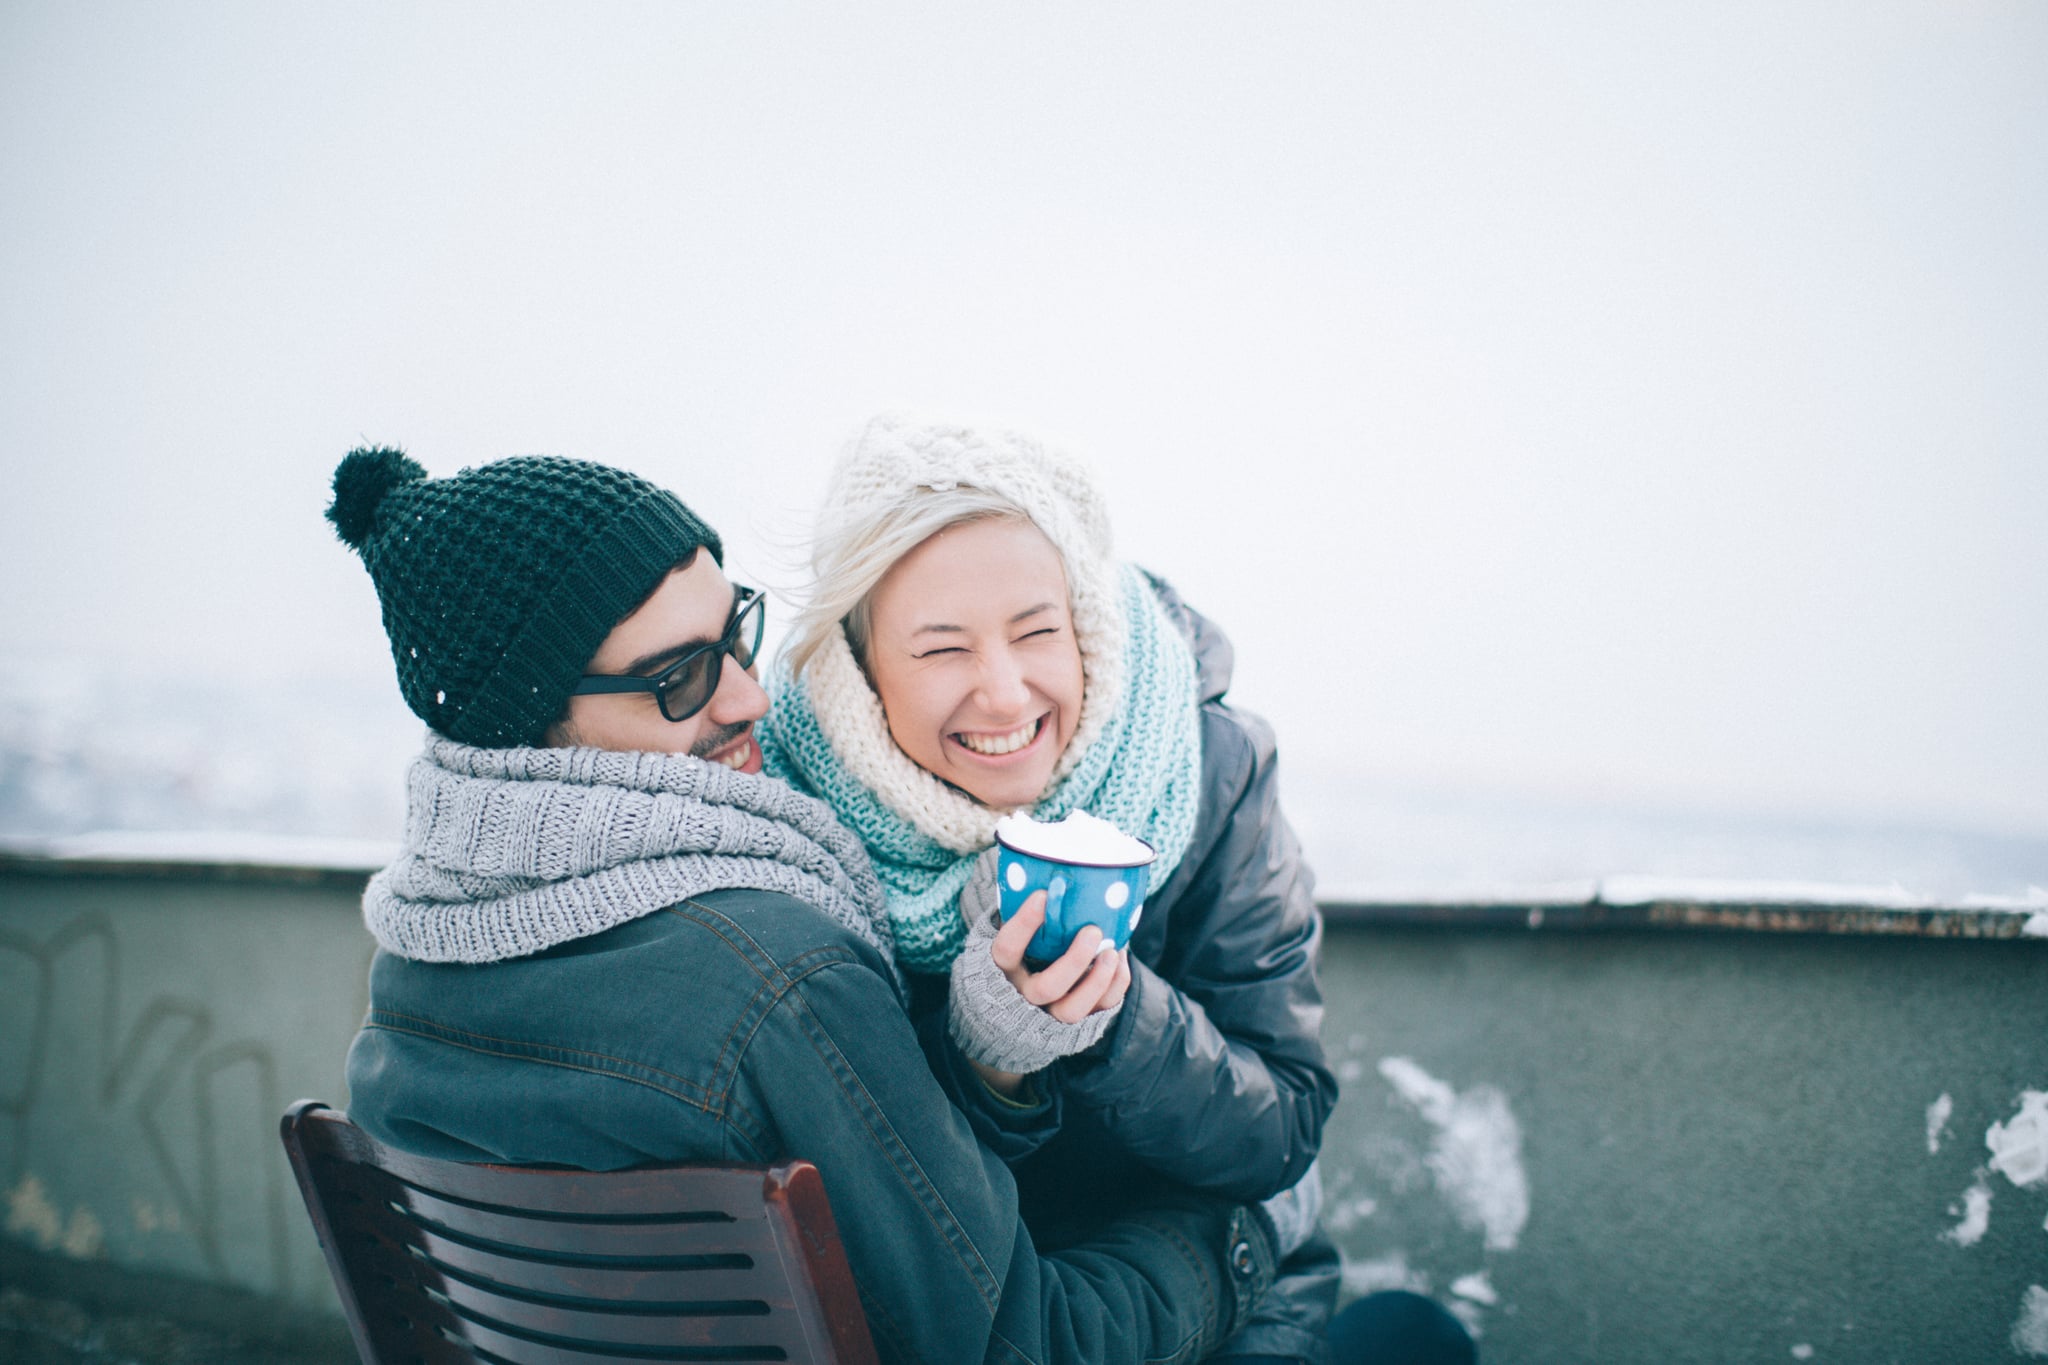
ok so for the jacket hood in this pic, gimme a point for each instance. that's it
(1215, 657)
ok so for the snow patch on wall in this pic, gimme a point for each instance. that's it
(2030, 1333)
(1476, 1287)
(2036, 925)
(1382, 1272)
(1346, 1214)
(2019, 1147)
(1476, 1156)
(1471, 1314)
(1976, 1215)
(32, 1217)
(1937, 1122)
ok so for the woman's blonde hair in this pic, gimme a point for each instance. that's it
(852, 554)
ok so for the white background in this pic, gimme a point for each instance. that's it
(1604, 403)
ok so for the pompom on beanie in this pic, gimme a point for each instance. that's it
(499, 584)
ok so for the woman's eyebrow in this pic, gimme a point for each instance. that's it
(941, 628)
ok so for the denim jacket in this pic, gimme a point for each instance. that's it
(745, 1026)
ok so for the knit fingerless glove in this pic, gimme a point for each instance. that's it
(990, 1022)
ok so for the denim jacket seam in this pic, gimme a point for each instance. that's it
(760, 1003)
(747, 1125)
(740, 1145)
(532, 1053)
(704, 917)
(777, 980)
(881, 1323)
(716, 1101)
(763, 1004)
(1015, 1353)
(986, 1281)
(1212, 1325)
(514, 1047)
(1180, 1353)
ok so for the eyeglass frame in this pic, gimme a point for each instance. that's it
(746, 602)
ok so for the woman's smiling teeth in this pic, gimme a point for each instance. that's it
(995, 746)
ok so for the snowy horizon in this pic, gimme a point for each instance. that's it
(315, 770)
(1608, 410)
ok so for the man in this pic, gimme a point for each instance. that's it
(608, 940)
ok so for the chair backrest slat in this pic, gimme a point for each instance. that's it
(492, 1347)
(441, 1261)
(563, 1237)
(632, 1287)
(701, 1324)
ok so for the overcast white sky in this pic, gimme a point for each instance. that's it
(1609, 400)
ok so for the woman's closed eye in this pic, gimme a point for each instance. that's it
(1039, 636)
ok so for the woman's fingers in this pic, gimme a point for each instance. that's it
(1092, 992)
(1046, 987)
(1015, 936)
(1121, 987)
(1084, 980)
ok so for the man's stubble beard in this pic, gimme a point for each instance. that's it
(719, 738)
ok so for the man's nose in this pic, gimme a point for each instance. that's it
(739, 696)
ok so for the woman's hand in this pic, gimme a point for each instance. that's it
(1009, 1021)
(1086, 979)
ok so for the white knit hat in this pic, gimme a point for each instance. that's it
(893, 457)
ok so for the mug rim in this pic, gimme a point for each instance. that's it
(1151, 855)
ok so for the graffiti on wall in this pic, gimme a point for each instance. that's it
(133, 1126)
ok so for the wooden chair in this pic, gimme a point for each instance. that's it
(441, 1262)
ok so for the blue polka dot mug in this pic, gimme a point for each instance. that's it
(1108, 896)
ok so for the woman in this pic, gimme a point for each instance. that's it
(971, 648)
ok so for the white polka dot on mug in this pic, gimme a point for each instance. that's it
(1090, 871)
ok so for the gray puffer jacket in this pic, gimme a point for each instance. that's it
(1213, 1075)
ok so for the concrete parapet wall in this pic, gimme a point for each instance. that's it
(1652, 1134)
(153, 1025)
(1696, 1147)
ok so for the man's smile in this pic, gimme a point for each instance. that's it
(740, 753)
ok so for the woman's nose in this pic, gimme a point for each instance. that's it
(1002, 689)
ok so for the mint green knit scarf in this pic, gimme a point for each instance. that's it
(1143, 774)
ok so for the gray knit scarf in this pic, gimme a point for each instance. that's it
(511, 851)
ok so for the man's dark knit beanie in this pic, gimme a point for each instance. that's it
(499, 584)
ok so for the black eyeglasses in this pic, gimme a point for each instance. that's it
(686, 686)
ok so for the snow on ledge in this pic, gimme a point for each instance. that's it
(304, 852)
(1639, 890)
(1463, 893)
